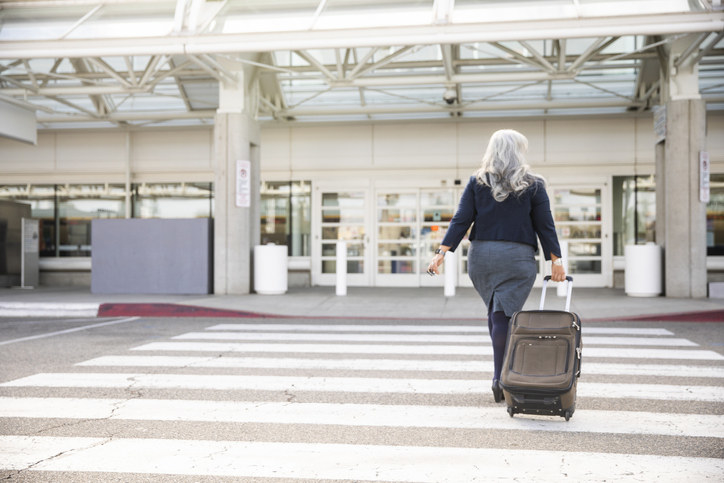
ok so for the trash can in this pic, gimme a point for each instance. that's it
(270, 269)
(643, 270)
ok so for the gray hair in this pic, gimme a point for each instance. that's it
(504, 168)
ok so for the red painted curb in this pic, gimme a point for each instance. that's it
(173, 310)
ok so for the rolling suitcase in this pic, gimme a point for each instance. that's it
(543, 360)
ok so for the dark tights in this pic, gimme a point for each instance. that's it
(498, 327)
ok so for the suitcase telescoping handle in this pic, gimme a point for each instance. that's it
(569, 282)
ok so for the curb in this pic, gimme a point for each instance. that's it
(19, 309)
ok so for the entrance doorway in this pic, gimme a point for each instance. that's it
(581, 214)
(391, 234)
(341, 215)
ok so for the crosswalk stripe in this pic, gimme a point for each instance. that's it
(421, 328)
(412, 349)
(284, 336)
(437, 338)
(424, 365)
(318, 461)
(349, 384)
(589, 421)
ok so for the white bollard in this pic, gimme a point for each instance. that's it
(562, 288)
(451, 274)
(341, 268)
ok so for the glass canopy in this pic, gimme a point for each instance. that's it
(82, 63)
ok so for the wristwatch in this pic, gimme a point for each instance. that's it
(440, 251)
(558, 261)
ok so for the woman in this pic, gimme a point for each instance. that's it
(507, 206)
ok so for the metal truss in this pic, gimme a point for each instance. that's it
(438, 70)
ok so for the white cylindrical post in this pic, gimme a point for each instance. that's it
(562, 288)
(451, 274)
(341, 268)
(643, 274)
(270, 269)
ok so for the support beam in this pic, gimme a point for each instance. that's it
(317, 64)
(372, 36)
(542, 61)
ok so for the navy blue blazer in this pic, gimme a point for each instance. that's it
(517, 218)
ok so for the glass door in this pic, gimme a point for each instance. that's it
(580, 222)
(397, 228)
(437, 207)
(342, 217)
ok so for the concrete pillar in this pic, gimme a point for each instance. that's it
(681, 223)
(236, 229)
(684, 215)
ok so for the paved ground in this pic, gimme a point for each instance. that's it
(329, 398)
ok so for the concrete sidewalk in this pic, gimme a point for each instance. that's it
(412, 303)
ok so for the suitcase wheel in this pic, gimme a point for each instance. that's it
(568, 415)
(511, 411)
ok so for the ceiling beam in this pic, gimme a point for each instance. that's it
(568, 28)
(132, 116)
(442, 107)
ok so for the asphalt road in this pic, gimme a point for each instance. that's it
(185, 399)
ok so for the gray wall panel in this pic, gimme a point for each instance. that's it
(156, 256)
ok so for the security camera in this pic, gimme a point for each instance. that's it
(450, 95)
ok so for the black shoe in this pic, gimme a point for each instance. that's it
(497, 391)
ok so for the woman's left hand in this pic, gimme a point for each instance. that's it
(558, 273)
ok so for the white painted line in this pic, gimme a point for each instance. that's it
(621, 353)
(435, 338)
(21, 452)
(67, 331)
(625, 331)
(317, 461)
(350, 384)
(352, 328)
(253, 383)
(485, 350)
(662, 392)
(424, 365)
(316, 348)
(419, 328)
(283, 336)
(292, 363)
(639, 341)
(584, 421)
(669, 370)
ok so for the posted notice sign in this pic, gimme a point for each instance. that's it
(704, 176)
(243, 184)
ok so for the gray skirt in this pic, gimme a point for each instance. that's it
(502, 273)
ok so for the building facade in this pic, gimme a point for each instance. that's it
(387, 189)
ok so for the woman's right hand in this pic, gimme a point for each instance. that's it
(434, 265)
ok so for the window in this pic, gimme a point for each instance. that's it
(42, 204)
(65, 213)
(173, 200)
(715, 216)
(634, 211)
(286, 210)
(77, 206)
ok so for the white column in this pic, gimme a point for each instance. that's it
(451, 274)
(341, 287)
(236, 227)
(684, 216)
